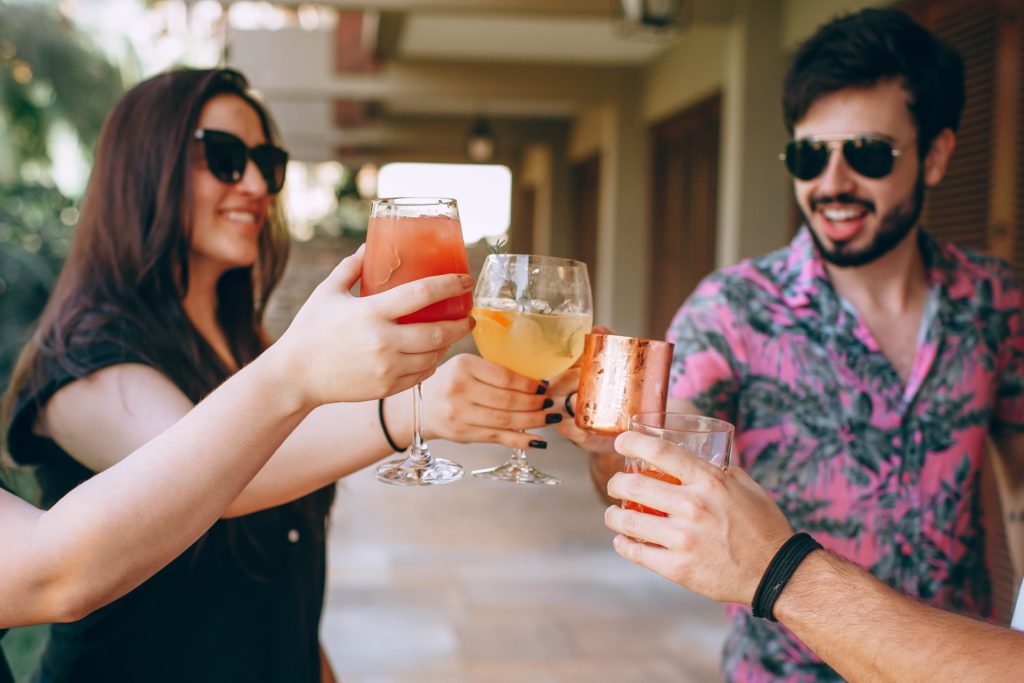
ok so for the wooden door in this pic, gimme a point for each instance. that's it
(981, 201)
(684, 207)
(958, 210)
(585, 186)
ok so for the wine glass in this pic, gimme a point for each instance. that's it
(532, 314)
(410, 238)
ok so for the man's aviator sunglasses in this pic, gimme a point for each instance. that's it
(226, 157)
(871, 157)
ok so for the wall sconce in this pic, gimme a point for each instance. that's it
(481, 144)
(651, 14)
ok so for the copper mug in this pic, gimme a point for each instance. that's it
(620, 377)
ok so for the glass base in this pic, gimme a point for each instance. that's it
(407, 472)
(517, 474)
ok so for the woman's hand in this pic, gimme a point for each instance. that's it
(563, 392)
(472, 400)
(346, 348)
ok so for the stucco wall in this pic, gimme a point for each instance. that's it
(685, 73)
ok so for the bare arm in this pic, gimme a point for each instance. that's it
(105, 416)
(867, 631)
(117, 529)
(102, 418)
(468, 400)
(108, 535)
(721, 533)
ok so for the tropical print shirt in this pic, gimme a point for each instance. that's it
(882, 473)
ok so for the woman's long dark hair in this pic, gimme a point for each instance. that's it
(127, 272)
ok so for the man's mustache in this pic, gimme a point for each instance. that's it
(842, 199)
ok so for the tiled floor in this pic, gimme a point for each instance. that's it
(486, 582)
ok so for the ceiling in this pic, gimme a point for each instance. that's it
(403, 78)
(522, 38)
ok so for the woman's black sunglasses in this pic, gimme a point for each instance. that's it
(871, 157)
(226, 157)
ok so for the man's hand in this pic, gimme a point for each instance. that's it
(721, 531)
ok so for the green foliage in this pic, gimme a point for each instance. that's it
(350, 217)
(35, 234)
(50, 72)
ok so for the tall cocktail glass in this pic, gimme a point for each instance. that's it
(411, 238)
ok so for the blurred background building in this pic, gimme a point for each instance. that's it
(640, 136)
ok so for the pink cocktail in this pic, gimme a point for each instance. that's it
(401, 249)
(411, 238)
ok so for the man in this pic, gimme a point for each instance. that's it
(865, 363)
(721, 533)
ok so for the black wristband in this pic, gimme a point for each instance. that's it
(384, 428)
(568, 405)
(779, 572)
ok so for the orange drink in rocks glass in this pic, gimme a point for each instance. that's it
(705, 437)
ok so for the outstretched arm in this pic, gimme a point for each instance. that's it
(102, 418)
(723, 529)
(118, 528)
(867, 631)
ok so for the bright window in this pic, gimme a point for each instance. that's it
(484, 192)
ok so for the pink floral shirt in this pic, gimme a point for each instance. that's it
(882, 473)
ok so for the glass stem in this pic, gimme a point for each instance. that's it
(418, 453)
(518, 458)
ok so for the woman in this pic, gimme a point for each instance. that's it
(120, 527)
(178, 248)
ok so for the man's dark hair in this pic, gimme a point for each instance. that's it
(874, 45)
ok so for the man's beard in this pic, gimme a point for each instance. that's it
(895, 227)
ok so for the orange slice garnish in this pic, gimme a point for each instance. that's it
(497, 317)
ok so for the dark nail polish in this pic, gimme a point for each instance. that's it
(537, 443)
(542, 389)
(547, 404)
(553, 418)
